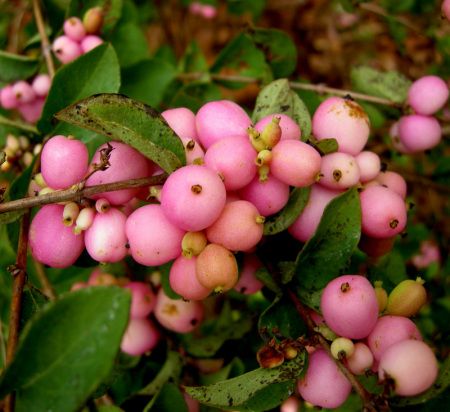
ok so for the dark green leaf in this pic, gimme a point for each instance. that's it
(310, 298)
(136, 124)
(328, 252)
(391, 85)
(287, 216)
(130, 44)
(19, 125)
(266, 278)
(195, 95)
(277, 97)
(32, 302)
(326, 146)
(169, 398)
(278, 48)
(281, 319)
(109, 408)
(165, 270)
(148, 80)
(67, 350)
(193, 60)
(390, 269)
(95, 72)
(251, 391)
(255, 7)
(15, 67)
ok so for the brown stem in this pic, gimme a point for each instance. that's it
(76, 194)
(47, 288)
(319, 88)
(46, 49)
(359, 389)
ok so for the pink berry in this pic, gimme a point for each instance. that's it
(389, 330)
(295, 163)
(306, 224)
(125, 163)
(369, 164)
(31, 112)
(383, 212)
(361, 360)
(269, 196)
(289, 128)
(8, 98)
(343, 120)
(51, 242)
(153, 239)
(183, 279)
(64, 162)
(194, 152)
(182, 121)
(339, 171)
(239, 227)
(208, 11)
(178, 315)
(429, 253)
(393, 181)
(349, 306)
(143, 299)
(428, 94)
(193, 197)
(74, 29)
(248, 283)
(220, 119)
(412, 366)
(90, 42)
(105, 239)
(66, 49)
(23, 91)
(233, 159)
(395, 140)
(445, 9)
(324, 384)
(418, 133)
(140, 336)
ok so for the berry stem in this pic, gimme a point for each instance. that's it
(47, 288)
(45, 44)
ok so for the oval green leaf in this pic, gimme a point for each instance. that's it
(15, 67)
(67, 350)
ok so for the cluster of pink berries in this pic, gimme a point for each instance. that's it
(80, 36)
(421, 131)
(206, 11)
(390, 345)
(26, 97)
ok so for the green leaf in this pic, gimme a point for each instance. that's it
(148, 80)
(227, 326)
(135, 123)
(235, 368)
(193, 59)
(109, 408)
(278, 48)
(263, 275)
(257, 390)
(391, 85)
(15, 67)
(130, 44)
(328, 252)
(67, 350)
(287, 216)
(19, 125)
(169, 398)
(165, 283)
(281, 319)
(325, 146)
(95, 72)
(255, 7)
(390, 269)
(194, 95)
(277, 97)
(32, 302)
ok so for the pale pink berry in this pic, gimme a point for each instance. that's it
(428, 94)
(66, 49)
(248, 283)
(295, 163)
(8, 98)
(349, 306)
(193, 197)
(395, 140)
(445, 9)
(418, 133)
(429, 253)
(289, 128)
(143, 299)
(192, 404)
(140, 336)
(178, 315)
(238, 228)
(369, 164)
(307, 222)
(90, 42)
(383, 212)
(51, 242)
(389, 330)
(291, 404)
(183, 279)
(393, 181)
(361, 360)
(324, 384)
(41, 84)
(182, 121)
(233, 159)
(220, 119)
(73, 28)
(153, 239)
(269, 196)
(339, 171)
(411, 365)
(64, 162)
(208, 11)
(193, 151)
(31, 112)
(100, 278)
(125, 163)
(105, 239)
(23, 91)
(343, 120)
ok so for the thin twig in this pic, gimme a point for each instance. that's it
(318, 88)
(76, 194)
(47, 288)
(377, 9)
(46, 50)
(360, 390)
